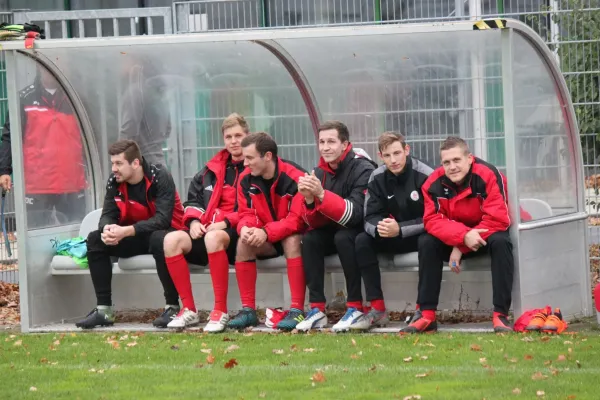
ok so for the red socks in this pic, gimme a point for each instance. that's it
(355, 304)
(297, 282)
(219, 273)
(428, 314)
(378, 305)
(320, 306)
(180, 273)
(245, 272)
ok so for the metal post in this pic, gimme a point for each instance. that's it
(478, 90)
(377, 10)
(16, 139)
(462, 65)
(510, 140)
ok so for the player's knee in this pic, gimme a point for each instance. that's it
(216, 241)
(173, 244)
(292, 246)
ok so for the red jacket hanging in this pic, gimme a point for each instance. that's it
(279, 209)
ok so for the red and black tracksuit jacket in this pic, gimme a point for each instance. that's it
(481, 202)
(278, 209)
(212, 195)
(52, 145)
(345, 187)
(163, 209)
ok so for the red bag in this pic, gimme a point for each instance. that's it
(522, 322)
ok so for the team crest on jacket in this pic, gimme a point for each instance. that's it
(414, 195)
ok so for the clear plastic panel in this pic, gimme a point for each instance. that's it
(56, 163)
(421, 85)
(173, 98)
(545, 158)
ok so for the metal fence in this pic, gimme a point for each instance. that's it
(569, 27)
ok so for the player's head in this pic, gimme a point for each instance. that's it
(126, 160)
(334, 138)
(234, 129)
(260, 151)
(393, 151)
(456, 158)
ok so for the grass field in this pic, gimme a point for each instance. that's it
(297, 366)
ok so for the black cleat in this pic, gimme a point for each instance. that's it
(94, 319)
(166, 317)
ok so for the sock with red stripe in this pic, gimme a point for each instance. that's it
(219, 273)
(428, 314)
(378, 305)
(355, 304)
(297, 283)
(245, 271)
(320, 306)
(180, 273)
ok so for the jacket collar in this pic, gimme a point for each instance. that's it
(402, 176)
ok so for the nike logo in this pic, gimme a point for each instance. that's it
(389, 197)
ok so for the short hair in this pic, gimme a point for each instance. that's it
(454, 141)
(263, 143)
(389, 137)
(340, 127)
(235, 119)
(128, 147)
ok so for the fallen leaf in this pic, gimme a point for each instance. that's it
(424, 358)
(56, 342)
(283, 364)
(429, 344)
(412, 397)
(483, 360)
(516, 391)
(206, 351)
(248, 334)
(278, 351)
(421, 375)
(547, 362)
(309, 350)
(262, 395)
(545, 338)
(528, 357)
(54, 363)
(561, 357)
(554, 371)
(512, 360)
(199, 365)
(131, 344)
(475, 347)
(18, 343)
(43, 360)
(353, 342)
(115, 345)
(231, 363)
(540, 393)
(210, 359)
(318, 377)
(416, 341)
(407, 359)
(100, 371)
(124, 337)
(231, 348)
(293, 348)
(538, 376)
(373, 368)
(527, 339)
(569, 350)
(33, 389)
(354, 356)
(226, 339)
(174, 347)
(571, 397)
(92, 370)
(578, 363)
(377, 345)
(567, 342)
(203, 345)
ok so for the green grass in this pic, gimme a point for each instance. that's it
(452, 366)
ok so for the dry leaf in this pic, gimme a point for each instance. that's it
(353, 342)
(516, 391)
(554, 371)
(567, 342)
(43, 360)
(278, 351)
(293, 348)
(475, 347)
(124, 337)
(569, 350)
(540, 393)
(210, 359)
(100, 371)
(412, 397)
(429, 344)
(424, 358)
(512, 360)
(92, 370)
(309, 350)
(56, 342)
(33, 389)
(283, 364)
(231, 348)
(578, 363)
(538, 376)
(206, 351)
(203, 345)
(483, 360)
(226, 339)
(373, 368)
(318, 377)
(571, 397)
(547, 362)
(18, 343)
(231, 363)
(528, 357)
(561, 357)
(377, 345)
(262, 395)
(175, 347)
(199, 365)
(131, 344)
(421, 375)
(527, 339)
(545, 338)
(407, 359)
(354, 356)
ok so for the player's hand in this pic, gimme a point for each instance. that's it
(473, 240)
(388, 228)
(5, 182)
(245, 234)
(454, 261)
(108, 236)
(197, 230)
(258, 238)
